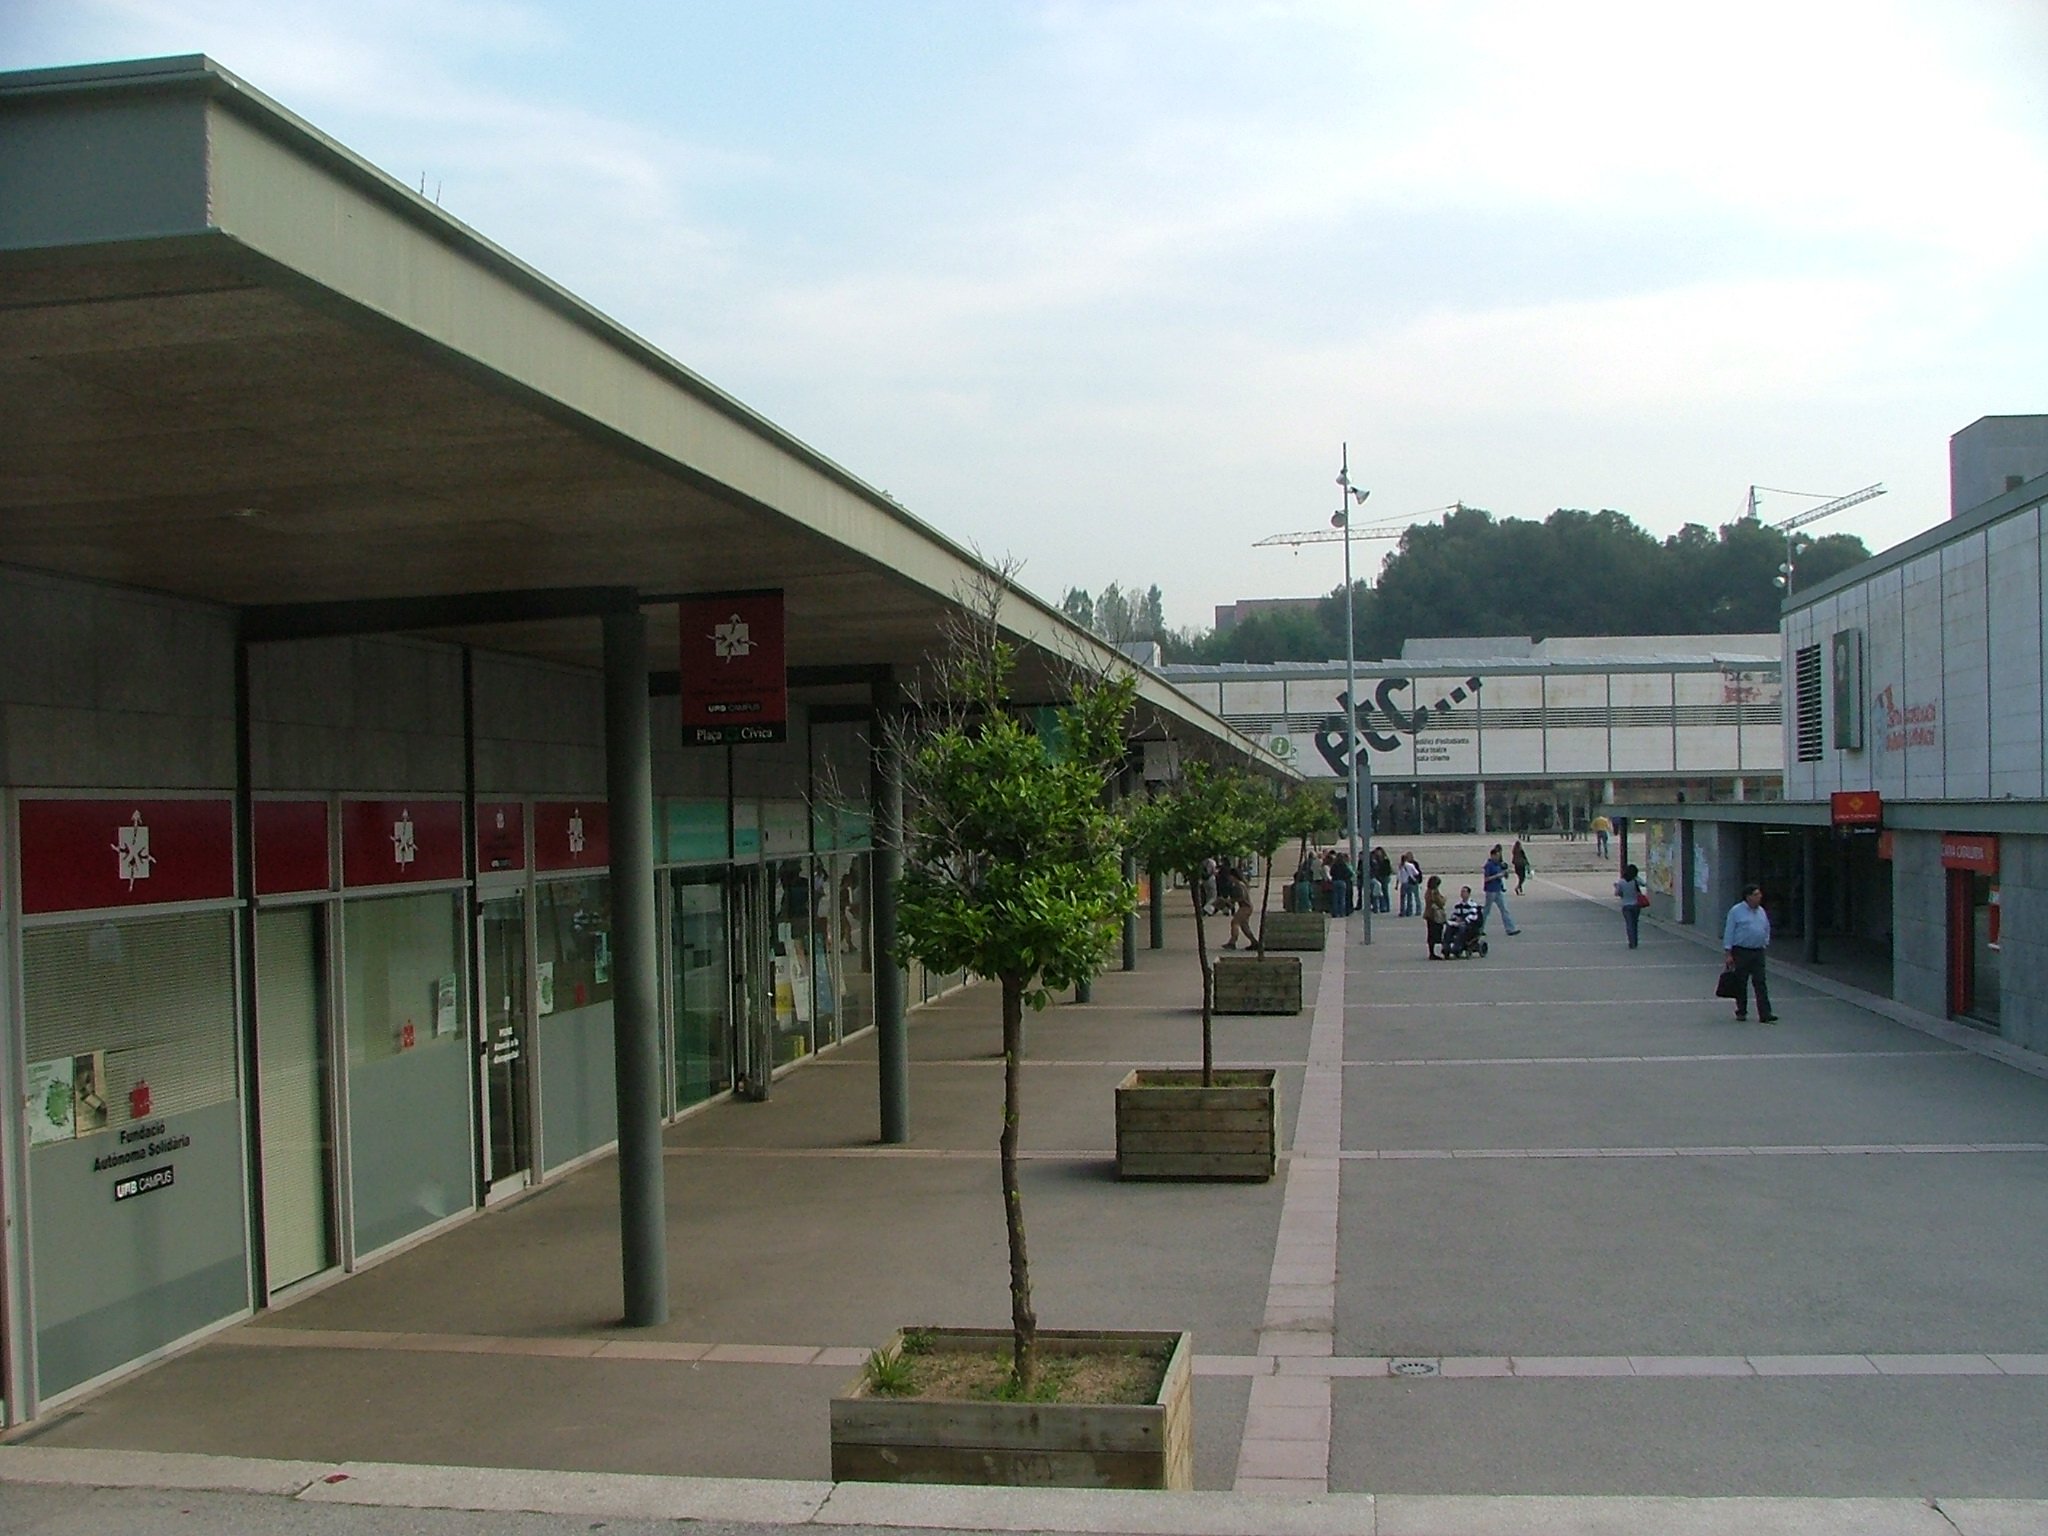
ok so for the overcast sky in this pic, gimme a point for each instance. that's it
(1103, 286)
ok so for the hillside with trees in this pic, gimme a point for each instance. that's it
(1574, 573)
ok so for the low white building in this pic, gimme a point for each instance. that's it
(1510, 734)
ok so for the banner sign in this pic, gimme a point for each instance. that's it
(735, 686)
(81, 855)
(1962, 850)
(1856, 808)
(291, 847)
(400, 842)
(572, 834)
(500, 836)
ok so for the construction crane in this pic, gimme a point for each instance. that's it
(1828, 507)
(1392, 528)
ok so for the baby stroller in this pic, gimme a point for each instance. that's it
(1462, 940)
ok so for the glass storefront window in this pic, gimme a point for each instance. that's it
(404, 1000)
(578, 1067)
(703, 984)
(138, 1221)
(790, 959)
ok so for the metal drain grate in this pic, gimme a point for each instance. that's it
(1412, 1366)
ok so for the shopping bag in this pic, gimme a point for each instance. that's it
(1729, 986)
(1642, 897)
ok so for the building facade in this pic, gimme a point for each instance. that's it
(381, 834)
(1518, 735)
(1914, 830)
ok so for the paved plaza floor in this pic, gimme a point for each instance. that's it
(1550, 1223)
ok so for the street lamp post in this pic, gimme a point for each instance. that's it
(1353, 750)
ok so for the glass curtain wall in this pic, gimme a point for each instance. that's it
(132, 1103)
(297, 1124)
(410, 1158)
(700, 970)
(578, 1071)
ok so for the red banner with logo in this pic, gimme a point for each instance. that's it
(81, 855)
(572, 834)
(735, 683)
(400, 842)
(1856, 808)
(291, 847)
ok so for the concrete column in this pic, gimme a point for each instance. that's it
(629, 785)
(1809, 902)
(1479, 804)
(1740, 787)
(892, 1028)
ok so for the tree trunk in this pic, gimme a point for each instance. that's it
(1208, 989)
(1023, 1321)
(1265, 901)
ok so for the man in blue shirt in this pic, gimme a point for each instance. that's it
(1496, 882)
(1744, 937)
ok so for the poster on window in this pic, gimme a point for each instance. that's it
(735, 685)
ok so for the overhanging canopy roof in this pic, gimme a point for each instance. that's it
(239, 364)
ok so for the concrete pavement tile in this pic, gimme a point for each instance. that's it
(1935, 1365)
(444, 1343)
(1812, 1365)
(1571, 1365)
(1471, 1515)
(656, 1349)
(1288, 1507)
(1996, 1517)
(1790, 1151)
(842, 1355)
(614, 1494)
(2021, 1365)
(1288, 1343)
(1476, 1366)
(1287, 1421)
(762, 1354)
(305, 1338)
(1233, 1365)
(156, 1469)
(1291, 1390)
(1354, 1365)
(1284, 1458)
(1690, 1365)
(1640, 1152)
(567, 1349)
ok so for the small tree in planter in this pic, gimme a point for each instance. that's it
(1013, 870)
(1210, 813)
(1208, 1125)
(1305, 812)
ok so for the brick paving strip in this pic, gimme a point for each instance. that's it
(1286, 1446)
(1296, 1158)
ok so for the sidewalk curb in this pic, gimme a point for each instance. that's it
(1084, 1512)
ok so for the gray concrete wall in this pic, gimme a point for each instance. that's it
(1919, 923)
(539, 728)
(2023, 950)
(356, 715)
(105, 688)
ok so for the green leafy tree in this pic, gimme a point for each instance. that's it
(1209, 813)
(1013, 869)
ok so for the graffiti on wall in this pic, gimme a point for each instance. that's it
(1907, 724)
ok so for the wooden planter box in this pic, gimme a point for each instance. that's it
(1168, 1126)
(1296, 930)
(1059, 1445)
(1257, 984)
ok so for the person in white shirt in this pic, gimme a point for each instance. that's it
(1744, 938)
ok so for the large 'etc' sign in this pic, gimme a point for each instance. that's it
(735, 685)
(1333, 741)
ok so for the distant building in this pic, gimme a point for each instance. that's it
(1512, 734)
(1230, 615)
(1912, 845)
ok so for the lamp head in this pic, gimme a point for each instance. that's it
(1339, 518)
